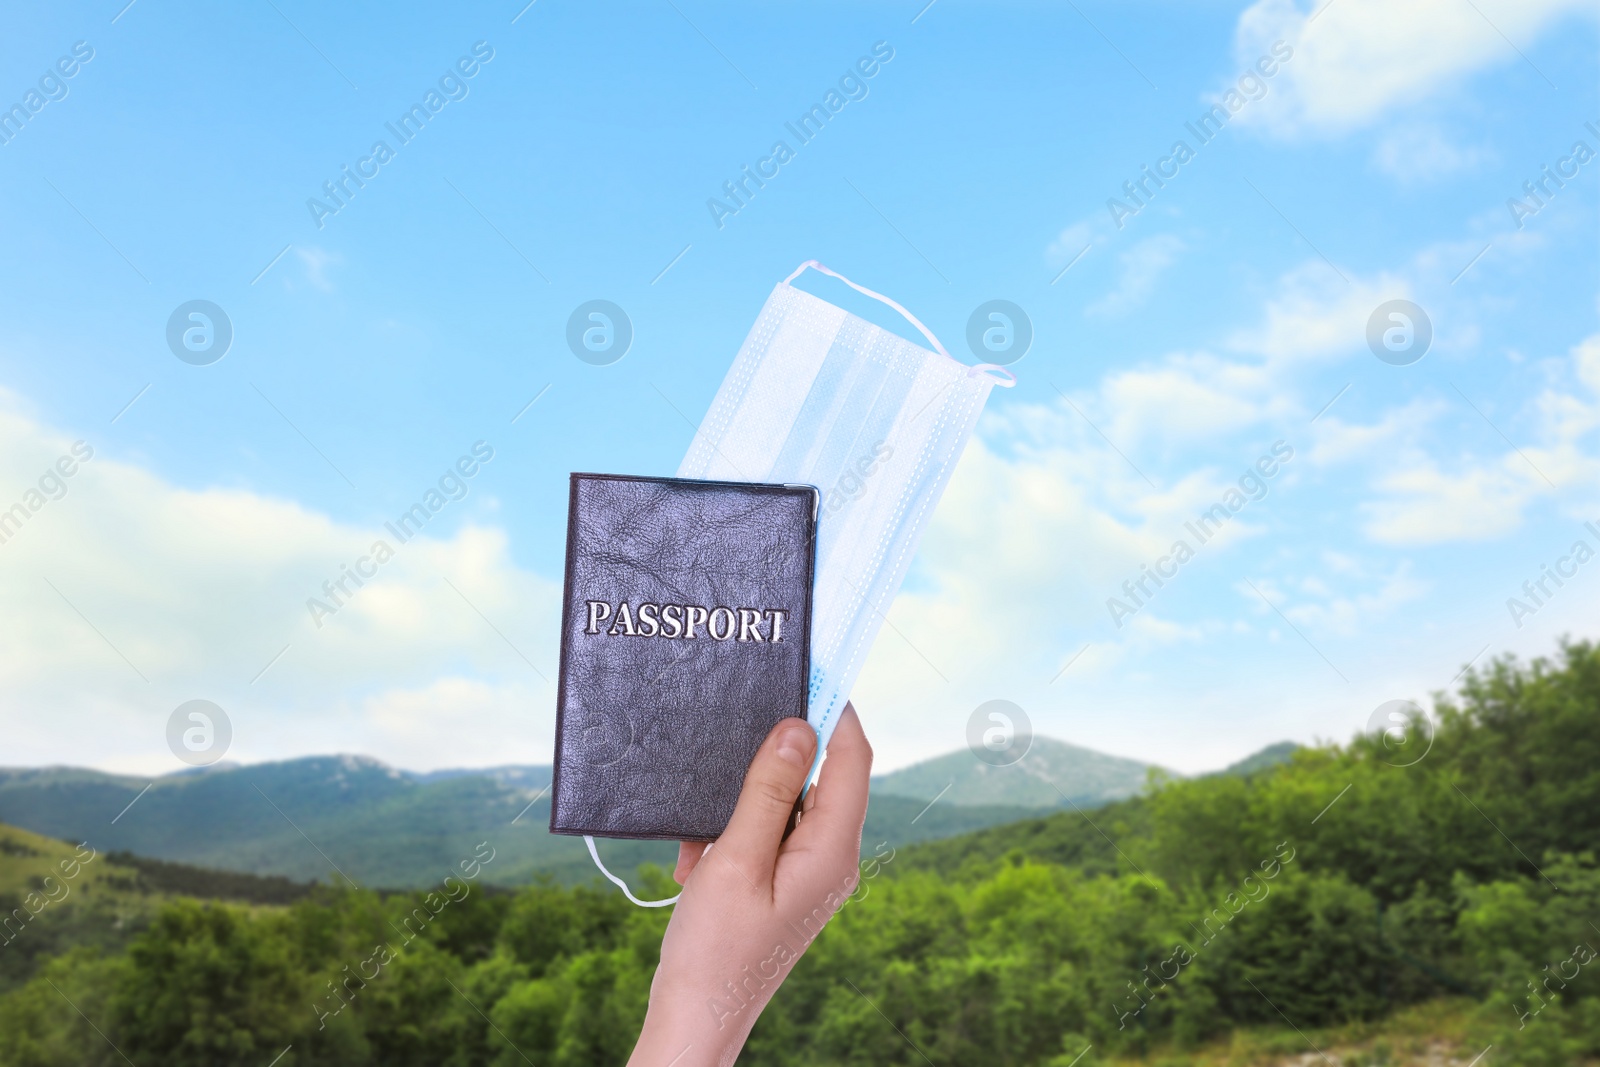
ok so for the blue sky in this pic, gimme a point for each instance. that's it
(1170, 353)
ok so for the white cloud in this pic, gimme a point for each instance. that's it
(1073, 240)
(129, 595)
(316, 262)
(1419, 153)
(1186, 398)
(1565, 412)
(1325, 610)
(1315, 314)
(1427, 500)
(1044, 519)
(468, 722)
(1040, 477)
(1138, 270)
(1395, 433)
(1040, 520)
(1356, 60)
(1423, 504)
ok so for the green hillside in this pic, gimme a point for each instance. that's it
(1271, 756)
(334, 818)
(322, 819)
(56, 896)
(1335, 909)
(1050, 775)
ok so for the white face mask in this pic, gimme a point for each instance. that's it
(820, 397)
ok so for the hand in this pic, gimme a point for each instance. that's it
(752, 902)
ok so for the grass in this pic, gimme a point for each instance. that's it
(26, 859)
(104, 905)
(1437, 1033)
(43, 913)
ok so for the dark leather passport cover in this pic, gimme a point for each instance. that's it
(654, 732)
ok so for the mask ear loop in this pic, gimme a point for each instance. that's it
(620, 884)
(984, 369)
(912, 319)
(1008, 381)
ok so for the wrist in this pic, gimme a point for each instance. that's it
(680, 1032)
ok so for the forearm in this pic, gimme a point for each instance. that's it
(683, 1030)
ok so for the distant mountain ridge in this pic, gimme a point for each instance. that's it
(517, 776)
(1271, 756)
(331, 818)
(319, 817)
(1052, 774)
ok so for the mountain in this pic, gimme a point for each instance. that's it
(337, 818)
(535, 776)
(1271, 756)
(332, 818)
(324, 818)
(1052, 774)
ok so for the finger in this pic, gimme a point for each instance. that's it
(835, 817)
(689, 853)
(809, 800)
(751, 840)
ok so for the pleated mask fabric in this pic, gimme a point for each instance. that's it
(818, 396)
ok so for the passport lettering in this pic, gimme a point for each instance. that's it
(686, 621)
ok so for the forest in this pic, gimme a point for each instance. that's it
(1355, 882)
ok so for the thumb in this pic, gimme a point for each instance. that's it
(771, 787)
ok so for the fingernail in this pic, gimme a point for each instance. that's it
(796, 742)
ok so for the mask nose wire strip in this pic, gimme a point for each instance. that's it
(620, 884)
(912, 319)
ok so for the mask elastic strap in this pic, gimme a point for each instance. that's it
(912, 319)
(984, 369)
(595, 855)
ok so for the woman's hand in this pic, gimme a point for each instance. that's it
(752, 902)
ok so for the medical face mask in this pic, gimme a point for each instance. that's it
(820, 397)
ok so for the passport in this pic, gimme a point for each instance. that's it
(685, 638)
